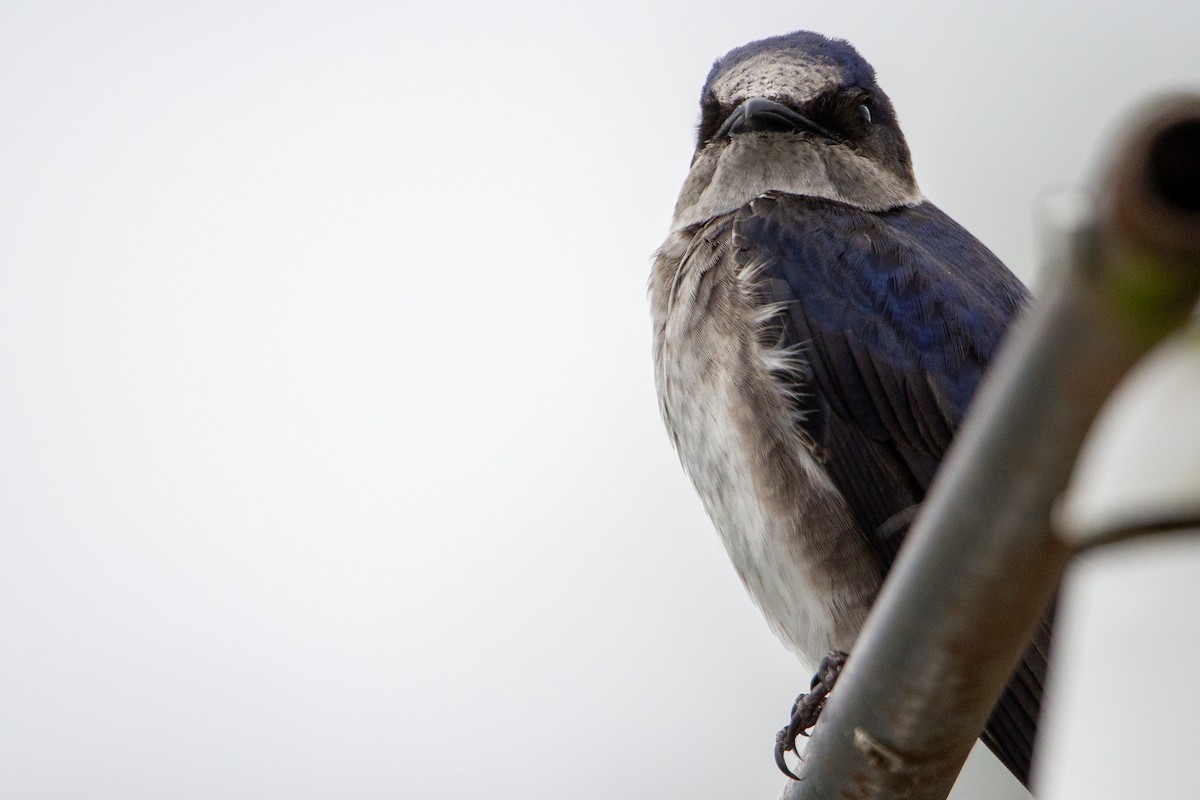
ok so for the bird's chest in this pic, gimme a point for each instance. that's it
(783, 523)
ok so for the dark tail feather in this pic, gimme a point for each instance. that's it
(1011, 731)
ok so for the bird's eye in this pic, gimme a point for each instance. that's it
(865, 113)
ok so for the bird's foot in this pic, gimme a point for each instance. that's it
(807, 707)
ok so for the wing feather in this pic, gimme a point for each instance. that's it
(897, 315)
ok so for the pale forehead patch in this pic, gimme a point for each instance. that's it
(777, 73)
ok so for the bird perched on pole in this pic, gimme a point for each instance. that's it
(819, 331)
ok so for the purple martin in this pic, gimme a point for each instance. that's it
(819, 331)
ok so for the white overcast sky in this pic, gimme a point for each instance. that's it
(330, 464)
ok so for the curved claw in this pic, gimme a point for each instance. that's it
(783, 745)
(807, 708)
(805, 711)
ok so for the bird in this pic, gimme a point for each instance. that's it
(819, 330)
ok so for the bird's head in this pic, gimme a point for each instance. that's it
(798, 113)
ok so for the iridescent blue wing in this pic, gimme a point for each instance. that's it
(889, 320)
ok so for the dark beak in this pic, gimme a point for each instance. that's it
(761, 114)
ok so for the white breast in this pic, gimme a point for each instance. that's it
(783, 523)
